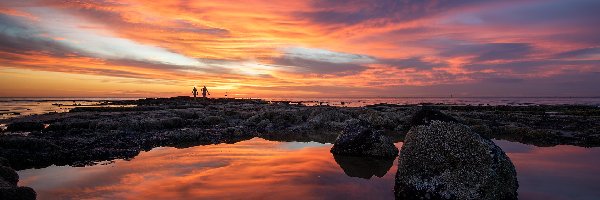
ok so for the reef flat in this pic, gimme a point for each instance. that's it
(88, 135)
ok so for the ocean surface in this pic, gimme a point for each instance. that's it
(13, 107)
(261, 169)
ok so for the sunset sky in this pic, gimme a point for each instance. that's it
(318, 48)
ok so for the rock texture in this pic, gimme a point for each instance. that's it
(359, 140)
(8, 184)
(424, 116)
(446, 160)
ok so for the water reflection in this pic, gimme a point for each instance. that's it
(260, 169)
(254, 169)
(559, 172)
(364, 167)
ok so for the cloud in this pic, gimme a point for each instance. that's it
(323, 62)
(326, 55)
(357, 11)
(18, 38)
(318, 43)
(585, 53)
(414, 62)
(535, 66)
(488, 51)
(307, 66)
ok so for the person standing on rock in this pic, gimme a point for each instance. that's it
(204, 91)
(195, 92)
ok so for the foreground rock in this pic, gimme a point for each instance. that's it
(446, 160)
(8, 184)
(360, 140)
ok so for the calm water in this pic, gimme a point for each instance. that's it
(14, 107)
(260, 169)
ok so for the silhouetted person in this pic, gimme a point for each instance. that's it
(195, 92)
(204, 91)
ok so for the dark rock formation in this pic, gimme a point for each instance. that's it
(427, 115)
(360, 140)
(446, 160)
(364, 167)
(86, 135)
(8, 185)
(25, 126)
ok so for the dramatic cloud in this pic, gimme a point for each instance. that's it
(261, 48)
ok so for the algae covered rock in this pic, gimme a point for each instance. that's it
(446, 160)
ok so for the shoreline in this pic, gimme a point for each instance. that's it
(86, 135)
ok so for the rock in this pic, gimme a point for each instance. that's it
(25, 126)
(8, 185)
(8, 175)
(17, 193)
(446, 160)
(364, 167)
(360, 140)
(213, 120)
(4, 162)
(426, 115)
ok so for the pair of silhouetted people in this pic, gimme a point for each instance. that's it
(204, 91)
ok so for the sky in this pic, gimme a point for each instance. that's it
(313, 48)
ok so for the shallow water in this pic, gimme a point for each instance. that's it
(261, 169)
(14, 107)
(494, 101)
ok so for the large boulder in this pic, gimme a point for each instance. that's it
(360, 140)
(446, 160)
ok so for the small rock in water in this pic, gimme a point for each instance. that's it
(8, 184)
(446, 160)
(360, 140)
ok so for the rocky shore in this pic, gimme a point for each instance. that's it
(87, 135)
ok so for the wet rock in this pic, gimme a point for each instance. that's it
(446, 160)
(213, 120)
(174, 122)
(17, 193)
(8, 185)
(8, 175)
(427, 115)
(364, 167)
(25, 126)
(4, 162)
(187, 114)
(360, 140)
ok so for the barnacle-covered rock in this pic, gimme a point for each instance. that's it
(446, 160)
